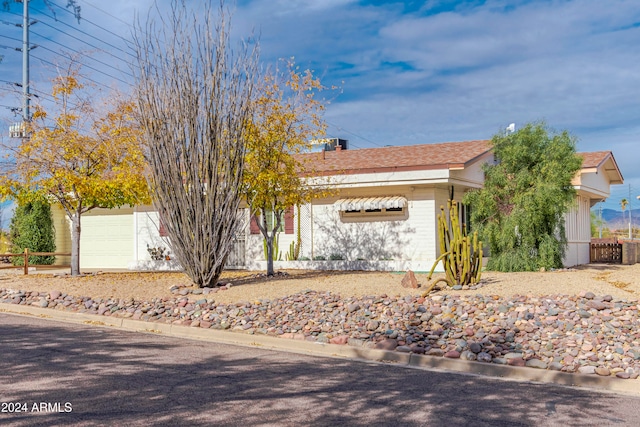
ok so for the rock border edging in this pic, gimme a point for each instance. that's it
(593, 382)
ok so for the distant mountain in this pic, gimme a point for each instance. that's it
(615, 219)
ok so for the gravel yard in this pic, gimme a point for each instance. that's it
(616, 280)
(583, 320)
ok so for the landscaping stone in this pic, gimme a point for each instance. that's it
(588, 334)
(409, 280)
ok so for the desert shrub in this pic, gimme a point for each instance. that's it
(519, 213)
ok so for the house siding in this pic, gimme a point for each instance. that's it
(410, 239)
(325, 232)
(107, 238)
(147, 233)
(578, 232)
(62, 234)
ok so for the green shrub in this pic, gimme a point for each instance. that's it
(32, 227)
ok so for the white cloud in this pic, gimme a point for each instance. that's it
(427, 76)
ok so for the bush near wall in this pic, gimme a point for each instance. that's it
(32, 227)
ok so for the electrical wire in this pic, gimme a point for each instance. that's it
(55, 65)
(11, 38)
(354, 134)
(10, 83)
(90, 67)
(107, 13)
(96, 25)
(84, 64)
(75, 51)
(10, 108)
(83, 32)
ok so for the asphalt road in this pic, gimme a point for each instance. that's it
(71, 375)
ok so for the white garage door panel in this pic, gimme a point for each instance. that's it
(106, 240)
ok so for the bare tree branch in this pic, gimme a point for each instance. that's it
(194, 98)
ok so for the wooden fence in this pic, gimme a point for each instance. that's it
(606, 252)
(26, 254)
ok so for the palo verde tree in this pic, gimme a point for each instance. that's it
(32, 228)
(520, 210)
(81, 156)
(287, 117)
(194, 103)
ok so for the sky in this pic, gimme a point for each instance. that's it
(410, 72)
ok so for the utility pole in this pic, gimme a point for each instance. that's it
(19, 130)
(25, 61)
(600, 222)
(630, 233)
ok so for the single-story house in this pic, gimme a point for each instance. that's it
(382, 214)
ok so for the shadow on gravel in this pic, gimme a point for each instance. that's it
(119, 378)
(599, 266)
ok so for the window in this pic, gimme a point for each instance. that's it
(271, 221)
(464, 213)
(374, 212)
(286, 222)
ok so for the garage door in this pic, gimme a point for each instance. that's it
(106, 239)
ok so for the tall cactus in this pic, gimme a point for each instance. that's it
(461, 254)
(294, 248)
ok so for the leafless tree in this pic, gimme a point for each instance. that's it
(194, 97)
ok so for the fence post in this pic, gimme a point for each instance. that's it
(26, 261)
(628, 253)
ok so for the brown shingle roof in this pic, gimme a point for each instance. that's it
(449, 155)
(593, 159)
(596, 159)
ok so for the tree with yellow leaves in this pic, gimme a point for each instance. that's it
(79, 158)
(287, 117)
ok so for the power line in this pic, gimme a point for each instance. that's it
(11, 38)
(107, 13)
(11, 83)
(10, 108)
(90, 67)
(73, 50)
(15, 24)
(85, 42)
(9, 47)
(354, 134)
(94, 24)
(83, 32)
(85, 77)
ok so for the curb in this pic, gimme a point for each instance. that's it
(591, 382)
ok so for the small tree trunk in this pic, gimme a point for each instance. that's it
(75, 244)
(269, 254)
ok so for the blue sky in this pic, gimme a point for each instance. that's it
(411, 72)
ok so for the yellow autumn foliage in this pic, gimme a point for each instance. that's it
(287, 116)
(77, 157)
